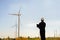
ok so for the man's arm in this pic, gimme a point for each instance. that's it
(45, 24)
(37, 25)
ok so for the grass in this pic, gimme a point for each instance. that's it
(36, 38)
(50, 38)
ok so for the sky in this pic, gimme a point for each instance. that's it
(31, 12)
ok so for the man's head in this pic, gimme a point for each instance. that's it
(42, 19)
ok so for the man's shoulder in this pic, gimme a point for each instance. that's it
(42, 23)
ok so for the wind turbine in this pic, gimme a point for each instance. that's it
(18, 22)
(55, 33)
(15, 28)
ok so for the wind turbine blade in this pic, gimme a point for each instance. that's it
(19, 10)
(14, 14)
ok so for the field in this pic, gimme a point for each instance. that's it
(50, 38)
(36, 38)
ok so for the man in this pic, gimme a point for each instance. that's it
(42, 26)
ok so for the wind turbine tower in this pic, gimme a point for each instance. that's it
(18, 22)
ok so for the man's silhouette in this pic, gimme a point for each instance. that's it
(42, 26)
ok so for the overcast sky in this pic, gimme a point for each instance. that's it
(31, 13)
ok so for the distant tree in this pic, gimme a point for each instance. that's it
(0, 39)
(28, 36)
(8, 38)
